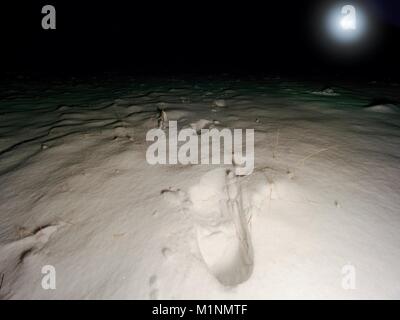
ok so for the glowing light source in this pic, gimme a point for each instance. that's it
(346, 24)
(345, 30)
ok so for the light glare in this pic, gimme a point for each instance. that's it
(346, 24)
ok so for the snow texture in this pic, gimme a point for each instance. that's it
(78, 194)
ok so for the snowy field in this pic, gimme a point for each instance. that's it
(78, 194)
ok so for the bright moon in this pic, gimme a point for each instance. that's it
(346, 24)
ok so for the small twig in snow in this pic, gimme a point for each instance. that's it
(302, 161)
(1, 281)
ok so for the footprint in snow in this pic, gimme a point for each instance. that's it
(174, 196)
(223, 235)
(13, 255)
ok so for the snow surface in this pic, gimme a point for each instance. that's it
(383, 108)
(78, 194)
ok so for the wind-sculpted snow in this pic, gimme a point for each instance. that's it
(78, 194)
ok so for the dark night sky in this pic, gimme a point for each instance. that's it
(188, 36)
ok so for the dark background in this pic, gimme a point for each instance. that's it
(192, 36)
